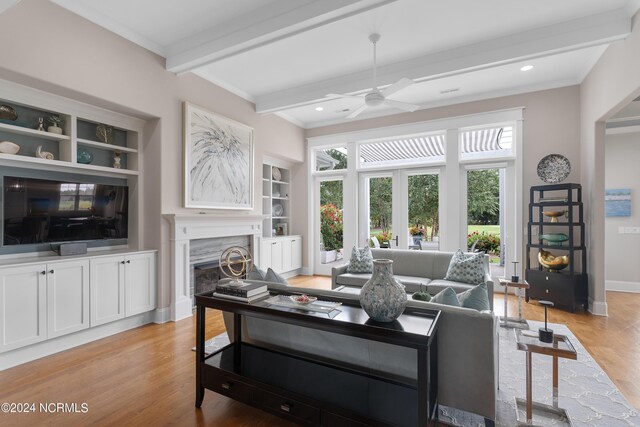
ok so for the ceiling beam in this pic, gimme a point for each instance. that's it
(268, 24)
(6, 4)
(557, 38)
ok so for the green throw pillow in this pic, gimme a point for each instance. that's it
(256, 274)
(447, 296)
(476, 298)
(466, 268)
(274, 277)
(361, 261)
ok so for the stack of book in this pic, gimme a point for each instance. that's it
(249, 292)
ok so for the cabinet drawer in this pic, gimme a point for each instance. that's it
(330, 419)
(287, 408)
(226, 386)
(555, 287)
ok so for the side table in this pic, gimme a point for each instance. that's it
(560, 347)
(513, 322)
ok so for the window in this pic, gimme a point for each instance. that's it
(331, 159)
(407, 150)
(487, 142)
(76, 197)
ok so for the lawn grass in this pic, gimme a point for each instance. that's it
(488, 229)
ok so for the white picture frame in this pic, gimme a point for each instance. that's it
(218, 161)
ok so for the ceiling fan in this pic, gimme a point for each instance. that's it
(375, 96)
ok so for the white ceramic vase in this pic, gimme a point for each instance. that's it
(55, 129)
(383, 298)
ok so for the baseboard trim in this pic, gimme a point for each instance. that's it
(55, 345)
(162, 315)
(620, 286)
(599, 308)
(305, 271)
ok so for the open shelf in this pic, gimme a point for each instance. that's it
(105, 146)
(19, 130)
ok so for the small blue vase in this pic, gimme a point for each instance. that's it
(383, 298)
(85, 157)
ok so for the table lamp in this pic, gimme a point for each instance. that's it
(515, 276)
(545, 334)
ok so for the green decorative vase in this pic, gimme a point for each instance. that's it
(554, 239)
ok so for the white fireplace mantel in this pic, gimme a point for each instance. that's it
(187, 227)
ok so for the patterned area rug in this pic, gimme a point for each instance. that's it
(585, 391)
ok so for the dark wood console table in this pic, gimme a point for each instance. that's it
(321, 393)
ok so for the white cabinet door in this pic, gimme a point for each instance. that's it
(139, 283)
(276, 255)
(67, 297)
(107, 289)
(286, 254)
(265, 254)
(296, 253)
(23, 309)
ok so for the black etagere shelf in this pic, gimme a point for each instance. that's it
(567, 288)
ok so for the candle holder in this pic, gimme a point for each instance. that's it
(515, 278)
(545, 334)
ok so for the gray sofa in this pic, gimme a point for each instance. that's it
(467, 351)
(413, 269)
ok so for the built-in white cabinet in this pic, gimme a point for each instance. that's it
(282, 254)
(42, 301)
(23, 301)
(276, 200)
(45, 300)
(67, 297)
(122, 286)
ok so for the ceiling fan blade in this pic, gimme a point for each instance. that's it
(357, 111)
(401, 105)
(340, 95)
(397, 86)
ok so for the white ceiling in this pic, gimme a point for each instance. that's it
(287, 55)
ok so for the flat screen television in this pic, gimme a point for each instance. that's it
(37, 211)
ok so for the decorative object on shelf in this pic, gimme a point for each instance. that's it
(545, 334)
(278, 210)
(104, 133)
(8, 113)
(303, 299)
(422, 294)
(8, 147)
(214, 142)
(554, 168)
(552, 262)
(84, 156)
(383, 298)
(276, 174)
(554, 239)
(617, 202)
(515, 278)
(234, 263)
(116, 160)
(44, 154)
(56, 124)
(554, 215)
(40, 124)
(282, 229)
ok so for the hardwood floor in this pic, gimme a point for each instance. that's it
(146, 376)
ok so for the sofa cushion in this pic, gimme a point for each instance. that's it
(256, 274)
(353, 279)
(438, 285)
(475, 298)
(361, 260)
(447, 297)
(466, 268)
(411, 283)
(274, 277)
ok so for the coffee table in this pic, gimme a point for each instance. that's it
(513, 322)
(561, 347)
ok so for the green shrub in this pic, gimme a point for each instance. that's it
(331, 226)
(489, 243)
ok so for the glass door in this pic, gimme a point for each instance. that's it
(423, 210)
(329, 196)
(377, 210)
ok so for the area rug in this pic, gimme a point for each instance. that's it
(585, 391)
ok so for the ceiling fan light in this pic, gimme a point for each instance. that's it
(373, 99)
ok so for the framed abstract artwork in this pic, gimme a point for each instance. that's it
(617, 202)
(218, 161)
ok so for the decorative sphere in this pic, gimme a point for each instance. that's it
(235, 262)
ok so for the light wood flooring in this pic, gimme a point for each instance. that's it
(146, 376)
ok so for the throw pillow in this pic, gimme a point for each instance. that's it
(476, 298)
(361, 261)
(256, 274)
(466, 268)
(274, 277)
(446, 296)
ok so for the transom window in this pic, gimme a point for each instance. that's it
(486, 142)
(411, 149)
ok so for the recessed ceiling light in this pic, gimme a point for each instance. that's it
(526, 68)
(319, 108)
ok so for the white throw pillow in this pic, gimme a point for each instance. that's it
(466, 268)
